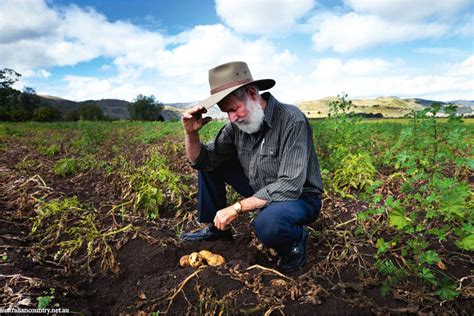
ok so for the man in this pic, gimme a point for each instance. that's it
(266, 154)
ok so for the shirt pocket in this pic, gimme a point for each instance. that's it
(268, 163)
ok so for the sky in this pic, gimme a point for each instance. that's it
(100, 49)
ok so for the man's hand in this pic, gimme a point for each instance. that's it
(224, 217)
(193, 121)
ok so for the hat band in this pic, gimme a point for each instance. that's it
(230, 85)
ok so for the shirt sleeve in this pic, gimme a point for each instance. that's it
(293, 166)
(216, 152)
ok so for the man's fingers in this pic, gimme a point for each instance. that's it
(206, 120)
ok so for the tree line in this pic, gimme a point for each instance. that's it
(26, 105)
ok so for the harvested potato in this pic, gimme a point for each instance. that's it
(205, 254)
(195, 260)
(215, 260)
(184, 261)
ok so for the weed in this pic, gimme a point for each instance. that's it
(82, 234)
(155, 185)
(28, 164)
(66, 167)
(46, 298)
(52, 150)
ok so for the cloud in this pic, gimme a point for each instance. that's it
(442, 51)
(370, 24)
(262, 16)
(385, 78)
(141, 61)
(466, 27)
(353, 31)
(408, 10)
(180, 73)
(25, 19)
(59, 37)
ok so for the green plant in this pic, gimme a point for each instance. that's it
(53, 150)
(66, 167)
(46, 298)
(432, 209)
(63, 224)
(155, 185)
(356, 172)
(27, 164)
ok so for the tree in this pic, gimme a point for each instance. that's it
(47, 114)
(8, 77)
(145, 108)
(9, 96)
(29, 100)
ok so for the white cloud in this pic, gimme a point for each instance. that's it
(78, 35)
(467, 28)
(337, 68)
(354, 31)
(25, 19)
(385, 78)
(373, 23)
(408, 10)
(175, 68)
(442, 51)
(262, 16)
(180, 73)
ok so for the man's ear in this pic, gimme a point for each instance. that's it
(252, 92)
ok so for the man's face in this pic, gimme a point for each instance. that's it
(247, 114)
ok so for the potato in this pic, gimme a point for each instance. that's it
(195, 260)
(184, 261)
(215, 260)
(205, 254)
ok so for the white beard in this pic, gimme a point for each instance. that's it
(254, 119)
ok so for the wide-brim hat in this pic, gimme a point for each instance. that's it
(226, 78)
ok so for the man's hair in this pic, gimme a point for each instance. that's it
(241, 92)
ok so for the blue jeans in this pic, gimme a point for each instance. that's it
(279, 225)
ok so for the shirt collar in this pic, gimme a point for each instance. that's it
(269, 108)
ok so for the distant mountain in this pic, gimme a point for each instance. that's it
(462, 102)
(387, 106)
(113, 108)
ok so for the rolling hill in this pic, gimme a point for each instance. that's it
(387, 106)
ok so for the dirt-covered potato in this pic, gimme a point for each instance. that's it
(205, 254)
(215, 260)
(195, 260)
(184, 261)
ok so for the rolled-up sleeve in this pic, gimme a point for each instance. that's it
(293, 166)
(219, 150)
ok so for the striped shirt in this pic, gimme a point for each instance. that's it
(279, 160)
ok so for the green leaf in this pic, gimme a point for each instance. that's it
(4, 258)
(361, 216)
(382, 246)
(447, 290)
(466, 243)
(429, 257)
(427, 276)
(396, 218)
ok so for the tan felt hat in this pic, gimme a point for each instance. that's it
(226, 78)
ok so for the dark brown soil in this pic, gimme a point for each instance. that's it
(338, 278)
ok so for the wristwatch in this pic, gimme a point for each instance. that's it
(237, 208)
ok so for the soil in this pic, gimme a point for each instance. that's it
(338, 277)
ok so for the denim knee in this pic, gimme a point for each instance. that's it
(273, 230)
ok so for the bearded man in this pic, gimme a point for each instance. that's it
(266, 154)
